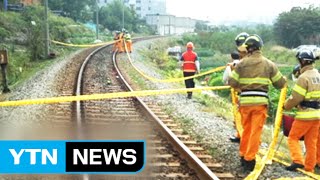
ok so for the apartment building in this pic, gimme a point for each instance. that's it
(142, 7)
(165, 24)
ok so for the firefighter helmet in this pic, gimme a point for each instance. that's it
(252, 43)
(306, 55)
(296, 71)
(190, 45)
(240, 38)
(235, 55)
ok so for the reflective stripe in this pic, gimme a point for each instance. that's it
(253, 100)
(189, 70)
(276, 77)
(235, 75)
(313, 95)
(252, 93)
(188, 62)
(264, 81)
(308, 114)
(299, 90)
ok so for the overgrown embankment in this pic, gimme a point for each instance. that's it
(23, 34)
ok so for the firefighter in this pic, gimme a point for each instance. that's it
(128, 41)
(305, 96)
(121, 41)
(190, 66)
(252, 76)
(230, 66)
(117, 43)
(239, 40)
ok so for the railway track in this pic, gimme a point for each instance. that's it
(171, 154)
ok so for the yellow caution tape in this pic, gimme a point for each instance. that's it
(173, 79)
(270, 153)
(236, 113)
(310, 174)
(107, 96)
(83, 45)
(295, 178)
(277, 124)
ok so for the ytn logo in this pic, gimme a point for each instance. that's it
(70, 157)
(104, 156)
(52, 157)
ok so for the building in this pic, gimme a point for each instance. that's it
(142, 7)
(165, 24)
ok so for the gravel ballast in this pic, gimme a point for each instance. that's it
(41, 85)
(214, 130)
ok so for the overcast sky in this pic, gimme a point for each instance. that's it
(218, 11)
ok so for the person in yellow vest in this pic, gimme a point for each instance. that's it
(239, 40)
(252, 76)
(128, 41)
(306, 97)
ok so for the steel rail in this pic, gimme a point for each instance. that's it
(202, 171)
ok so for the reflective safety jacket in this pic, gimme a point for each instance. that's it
(252, 76)
(306, 95)
(189, 57)
(127, 37)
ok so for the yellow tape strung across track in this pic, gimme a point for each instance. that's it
(236, 113)
(107, 96)
(280, 154)
(83, 45)
(270, 153)
(173, 79)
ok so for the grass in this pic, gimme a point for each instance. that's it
(222, 106)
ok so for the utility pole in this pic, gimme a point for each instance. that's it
(169, 25)
(122, 14)
(97, 20)
(5, 5)
(47, 29)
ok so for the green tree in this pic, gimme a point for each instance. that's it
(34, 30)
(78, 10)
(110, 16)
(298, 26)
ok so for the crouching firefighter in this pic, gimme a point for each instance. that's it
(306, 97)
(252, 77)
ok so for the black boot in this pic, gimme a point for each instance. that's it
(6, 90)
(234, 139)
(242, 161)
(249, 165)
(189, 96)
(294, 167)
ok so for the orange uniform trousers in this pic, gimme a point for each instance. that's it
(129, 46)
(237, 133)
(310, 131)
(120, 45)
(318, 149)
(252, 119)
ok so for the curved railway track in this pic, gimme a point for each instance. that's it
(171, 154)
